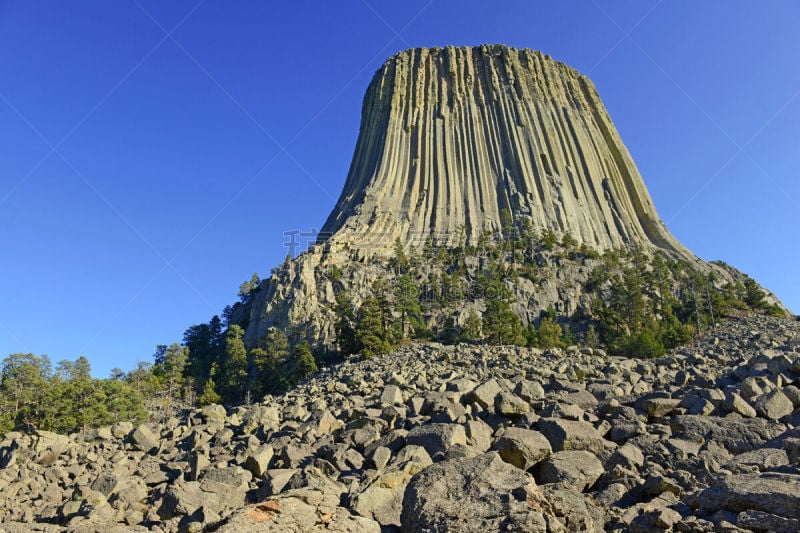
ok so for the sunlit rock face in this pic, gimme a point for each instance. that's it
(456, 143)
(450, 137)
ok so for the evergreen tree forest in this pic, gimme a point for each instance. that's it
(644, 302)
(64, 399)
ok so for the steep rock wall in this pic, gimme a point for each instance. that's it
(451, 136)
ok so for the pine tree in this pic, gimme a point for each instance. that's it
(81, 369)
(370, 330)
(209, 394)
(591, 339)
(142, 379)
(304, 360)
(549, 334)
(401, 260)
(406, 297)
(344, 326)
(206, 344)
(22, 379)
(450, 332)
(472, 327)
(501, 324)
(124, 403)
(507, 223)
(248, 288)
(272, 374)
(753, 295)
(549, 239)
(568, 241)
(235, 367)
(175, 357)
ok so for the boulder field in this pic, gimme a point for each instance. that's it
(451, 438)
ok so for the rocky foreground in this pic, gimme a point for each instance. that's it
(452, 438)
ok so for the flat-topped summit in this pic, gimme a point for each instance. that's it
(451, 137)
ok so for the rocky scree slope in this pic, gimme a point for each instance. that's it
(452, 438)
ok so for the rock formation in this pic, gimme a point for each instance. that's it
(465, 437)
(456, 143)
(452, 136)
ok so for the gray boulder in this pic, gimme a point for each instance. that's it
(571, 435)
(521, 447)
(511, 406)
(735, 435)
(258, 461)
(736, 404)
(484, 394)
(144, 439)
(437, 438)
(761, 459)
(766, 522)
(493, 496)
(577, 512)
(773, 405)
(382, 499)
(577, 469)
(773, 493)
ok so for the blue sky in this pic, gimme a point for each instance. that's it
(152, 154)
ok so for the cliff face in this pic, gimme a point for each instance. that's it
(450, 137)
(451, 141)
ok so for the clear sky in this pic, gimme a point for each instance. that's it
(152, 154)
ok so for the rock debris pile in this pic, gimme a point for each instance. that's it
(452, 438)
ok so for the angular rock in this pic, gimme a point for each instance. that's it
(736, 404)
(258, 461)
(571, 435)
(484, 394)
(522, 448)
(658, 407)
(382, 499)
(736, 436)
(121, 430)
(576, 469)
(105, 483)
(773, 405)
(777, 494)
(437, 438)
(479, 434)
(762, 459)
(213, 413)
(529, 390)
(299, 510)
(276, 480)
(144, 439)
(576, 511)
(392, 395)
(766, 522)
(628, 456)
(511, 406)
(793, 393)
(185, 498)
(428, 506)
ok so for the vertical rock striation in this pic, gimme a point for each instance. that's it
(452, 136)
(452, 140)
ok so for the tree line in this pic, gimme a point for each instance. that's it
(646, 304)
(437, 280)
(64, 399)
